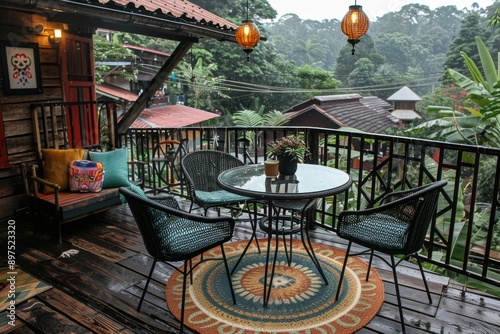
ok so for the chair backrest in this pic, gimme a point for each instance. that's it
(424, 201)
(171, 234)
(202, 168)
(148, 217)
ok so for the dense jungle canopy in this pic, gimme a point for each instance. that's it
(304, 58)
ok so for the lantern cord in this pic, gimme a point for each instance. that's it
(247, 10)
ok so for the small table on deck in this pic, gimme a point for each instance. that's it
(310, 182)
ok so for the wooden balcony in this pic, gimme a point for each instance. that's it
(98, 289)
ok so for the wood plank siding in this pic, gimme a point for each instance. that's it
(15, 109)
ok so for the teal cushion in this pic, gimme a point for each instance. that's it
(115, 167)
(137, 190)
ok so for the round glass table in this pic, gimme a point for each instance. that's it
(297, 192)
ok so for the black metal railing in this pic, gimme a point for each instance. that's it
(464, 237)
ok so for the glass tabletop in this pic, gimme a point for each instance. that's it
(310, 181)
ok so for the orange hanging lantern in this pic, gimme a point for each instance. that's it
(354, 24)
(247, 35)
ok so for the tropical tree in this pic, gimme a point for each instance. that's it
(309, 78)
(250, 118)
(464, 42)
(471, 126)
(364, 74)
(346, 61)
(201, 83)
(311, 52)
(106, 52)
(398, 48)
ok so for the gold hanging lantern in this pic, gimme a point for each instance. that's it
(247, 35)
(354, 24)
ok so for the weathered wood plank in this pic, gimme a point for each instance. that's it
(101, 282)
(46, 320)
(110, 282)
(81, 313)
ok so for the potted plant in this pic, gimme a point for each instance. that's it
(289, 151)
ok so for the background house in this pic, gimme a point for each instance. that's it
(369, 114)
(351, 111)
(404, 102)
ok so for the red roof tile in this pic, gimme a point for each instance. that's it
(177, 8)
(116, 93)
(172, 116)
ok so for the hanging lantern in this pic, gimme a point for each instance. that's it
(354, 24)
(247, 35)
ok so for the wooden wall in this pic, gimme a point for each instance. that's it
(14, 26)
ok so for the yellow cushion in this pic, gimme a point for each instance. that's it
(56, 166)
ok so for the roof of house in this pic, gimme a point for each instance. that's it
(178, 20)
(115, 93)
(348, 111)
(171, 116)
(405, 114)
(140, 48)
(404, 94)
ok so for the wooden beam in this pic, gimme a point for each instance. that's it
(141, 103)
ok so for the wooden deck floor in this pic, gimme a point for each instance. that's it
(97, 290)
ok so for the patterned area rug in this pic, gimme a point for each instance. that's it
(300, 301)
(24, 285)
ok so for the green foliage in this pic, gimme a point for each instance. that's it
(471, 126)
(108, 52)
(250, 118)
(346, 62)
(201, 82)
(465, 43)
(452, 95)
(316, 79)
(398, 47)
(293, 146)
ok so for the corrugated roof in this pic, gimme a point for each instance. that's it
(172, 116)
(404, 94)
(116, 93)
(178, 20)
(177, 8)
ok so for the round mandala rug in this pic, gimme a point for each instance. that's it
(300, 301)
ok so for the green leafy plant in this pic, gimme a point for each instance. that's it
(291, 145)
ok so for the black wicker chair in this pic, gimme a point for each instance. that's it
(201, 169)
(398, 226)
(171, 235)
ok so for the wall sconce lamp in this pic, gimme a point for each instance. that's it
(37, 30)
(55, 37)
(354, 24)
(247, 35)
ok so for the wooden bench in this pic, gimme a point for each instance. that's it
(61, 207)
